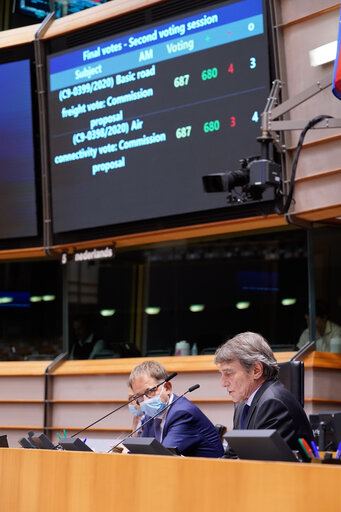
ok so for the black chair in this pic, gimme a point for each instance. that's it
(221, 430)
(291, 374)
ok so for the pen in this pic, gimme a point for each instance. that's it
(300, 440)
(315, 450)
(64, 433)
(84, 440)
(59, 436)
(338, 452)
(307, 447)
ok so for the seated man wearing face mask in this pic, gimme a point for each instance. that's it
(183, 425)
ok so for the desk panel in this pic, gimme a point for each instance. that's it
(40, 481)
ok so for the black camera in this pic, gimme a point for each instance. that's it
(255, 176)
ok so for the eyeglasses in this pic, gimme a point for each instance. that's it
(149, 393)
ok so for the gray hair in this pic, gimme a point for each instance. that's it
(248, 348)
(151, 368)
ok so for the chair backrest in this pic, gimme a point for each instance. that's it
(291, 374)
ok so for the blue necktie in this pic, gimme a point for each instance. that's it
(244, 414)
(157, 429)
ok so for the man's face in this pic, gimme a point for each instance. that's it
(239, 383)
(146, 383)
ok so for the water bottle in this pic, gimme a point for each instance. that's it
(194, 351)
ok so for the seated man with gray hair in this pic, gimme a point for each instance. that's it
(249, 372)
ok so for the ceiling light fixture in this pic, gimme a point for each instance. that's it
(243, 304)
(197, 308)
(152, 310)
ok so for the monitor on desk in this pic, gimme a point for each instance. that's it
(37, 441)
(3, 441)
(147, 446)
(259, 445)
(42, 442)
(329, 430)
(74, 444)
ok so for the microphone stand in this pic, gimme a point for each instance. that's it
(189, 390)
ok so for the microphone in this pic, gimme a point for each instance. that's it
(189, 390)
(170, 377)
(192, 388)
(133, 399)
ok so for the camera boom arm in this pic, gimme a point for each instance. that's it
(269, 117)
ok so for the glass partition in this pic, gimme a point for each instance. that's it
(30, 310)
(148, 299)
(202, 292)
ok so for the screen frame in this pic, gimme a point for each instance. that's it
(133, 21)
(8, 55)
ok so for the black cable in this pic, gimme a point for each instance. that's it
(307, 127)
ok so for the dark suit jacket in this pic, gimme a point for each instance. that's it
(188, 429)
(275, 407)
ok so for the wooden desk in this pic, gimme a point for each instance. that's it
(49, 481)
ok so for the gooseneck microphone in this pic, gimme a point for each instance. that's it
(136, 397)
(170, 376)
(192, 388)
(189, 390)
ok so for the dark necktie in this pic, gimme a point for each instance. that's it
(244, 414)
(157, 428)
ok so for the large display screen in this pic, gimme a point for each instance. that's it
(18, 212)
(136, 120)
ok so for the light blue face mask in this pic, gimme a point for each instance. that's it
(134, 411)
(153, 405)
